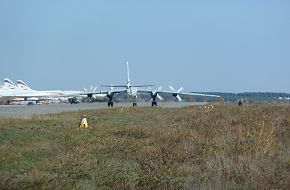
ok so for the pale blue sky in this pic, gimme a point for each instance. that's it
(225, 45)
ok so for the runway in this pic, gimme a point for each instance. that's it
(7, 111)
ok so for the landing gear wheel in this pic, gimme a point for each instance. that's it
(110, 104)
(154, 104)
(134, 104)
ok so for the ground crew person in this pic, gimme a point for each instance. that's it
(84, 122)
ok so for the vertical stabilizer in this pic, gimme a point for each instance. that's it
(9, 84)
(128, 75)
(22, 85)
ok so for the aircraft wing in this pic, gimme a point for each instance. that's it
(190, 94)
(69, 93)
(115, 86)
(29, 94)
(177, 93)
(105, 92)
(125, 86)
(92, 93)
(206, 95)
(145, 91)
(36, 93)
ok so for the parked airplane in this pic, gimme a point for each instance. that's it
(10, 90)
(134, 90)
(8, 85)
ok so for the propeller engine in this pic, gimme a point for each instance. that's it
(175, 93)
(91, 91)
(110, 95)
(155, 95)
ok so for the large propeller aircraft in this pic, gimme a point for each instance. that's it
(135, 90)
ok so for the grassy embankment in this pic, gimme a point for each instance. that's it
(149, 148)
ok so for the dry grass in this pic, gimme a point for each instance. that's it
(227, 147)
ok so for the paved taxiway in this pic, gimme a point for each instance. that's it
(24, 110)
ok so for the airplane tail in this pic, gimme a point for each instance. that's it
(8, 84)
(128, 85)
(22, 85)
(128, 75)
(129, 81)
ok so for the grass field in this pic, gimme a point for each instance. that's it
(227, 147)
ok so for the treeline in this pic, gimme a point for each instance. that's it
(252, 97)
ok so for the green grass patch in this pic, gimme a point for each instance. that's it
(228, 147)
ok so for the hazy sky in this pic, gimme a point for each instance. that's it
(202, 45)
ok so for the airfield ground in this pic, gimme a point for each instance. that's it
(24, 110)
(227, 147)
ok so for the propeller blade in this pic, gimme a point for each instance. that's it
(180, 89)
(179, 99)
(171, 88)
(85, 89)
(94, 89)
(91, 89)
(160, 97)
(160, 88)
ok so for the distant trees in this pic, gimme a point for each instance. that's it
(249, 97)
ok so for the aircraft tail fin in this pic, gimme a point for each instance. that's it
(8, 83)
(128, 75)
(23, 85)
